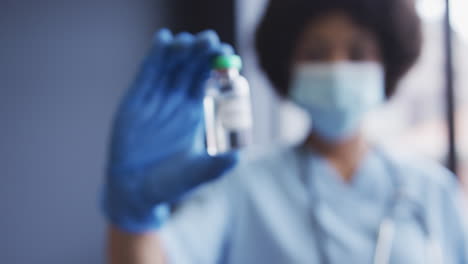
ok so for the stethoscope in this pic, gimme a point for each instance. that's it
(387, 227)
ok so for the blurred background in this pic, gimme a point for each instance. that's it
(65, 64)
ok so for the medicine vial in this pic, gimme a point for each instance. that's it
(227, 107)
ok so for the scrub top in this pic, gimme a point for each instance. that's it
(291, 206)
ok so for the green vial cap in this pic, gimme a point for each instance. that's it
(224, 62)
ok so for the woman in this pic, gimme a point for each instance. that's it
(334, 199)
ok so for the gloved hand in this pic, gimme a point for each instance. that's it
(157, 151)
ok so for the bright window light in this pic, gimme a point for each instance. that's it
(433, 10)
(460, 18)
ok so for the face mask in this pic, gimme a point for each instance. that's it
(337, 96)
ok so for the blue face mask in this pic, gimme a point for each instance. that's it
(337, 96)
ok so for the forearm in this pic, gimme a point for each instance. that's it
(128, 248)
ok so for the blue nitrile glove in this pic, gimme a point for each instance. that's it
(157, 151)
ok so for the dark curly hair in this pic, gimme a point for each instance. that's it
(394, 22)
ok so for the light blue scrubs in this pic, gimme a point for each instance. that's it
(292, 207)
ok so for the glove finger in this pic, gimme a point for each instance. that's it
(177, 176)
(158, 52)
(204, 45)
(176, 55)
(156, 151)
(207, 43)
(205, 40)
(190, 113)
(150, 66)
(201, 71)
(212, 167)
(177, 126)
(197, 71)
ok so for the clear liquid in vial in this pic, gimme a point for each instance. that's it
(227, 111)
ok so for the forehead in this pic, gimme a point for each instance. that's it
(336, 26)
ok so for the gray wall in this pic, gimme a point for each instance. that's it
(63, 67)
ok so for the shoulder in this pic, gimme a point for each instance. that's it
(422, 174)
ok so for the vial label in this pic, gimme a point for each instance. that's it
(235, 113)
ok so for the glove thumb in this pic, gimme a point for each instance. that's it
(212, 167)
